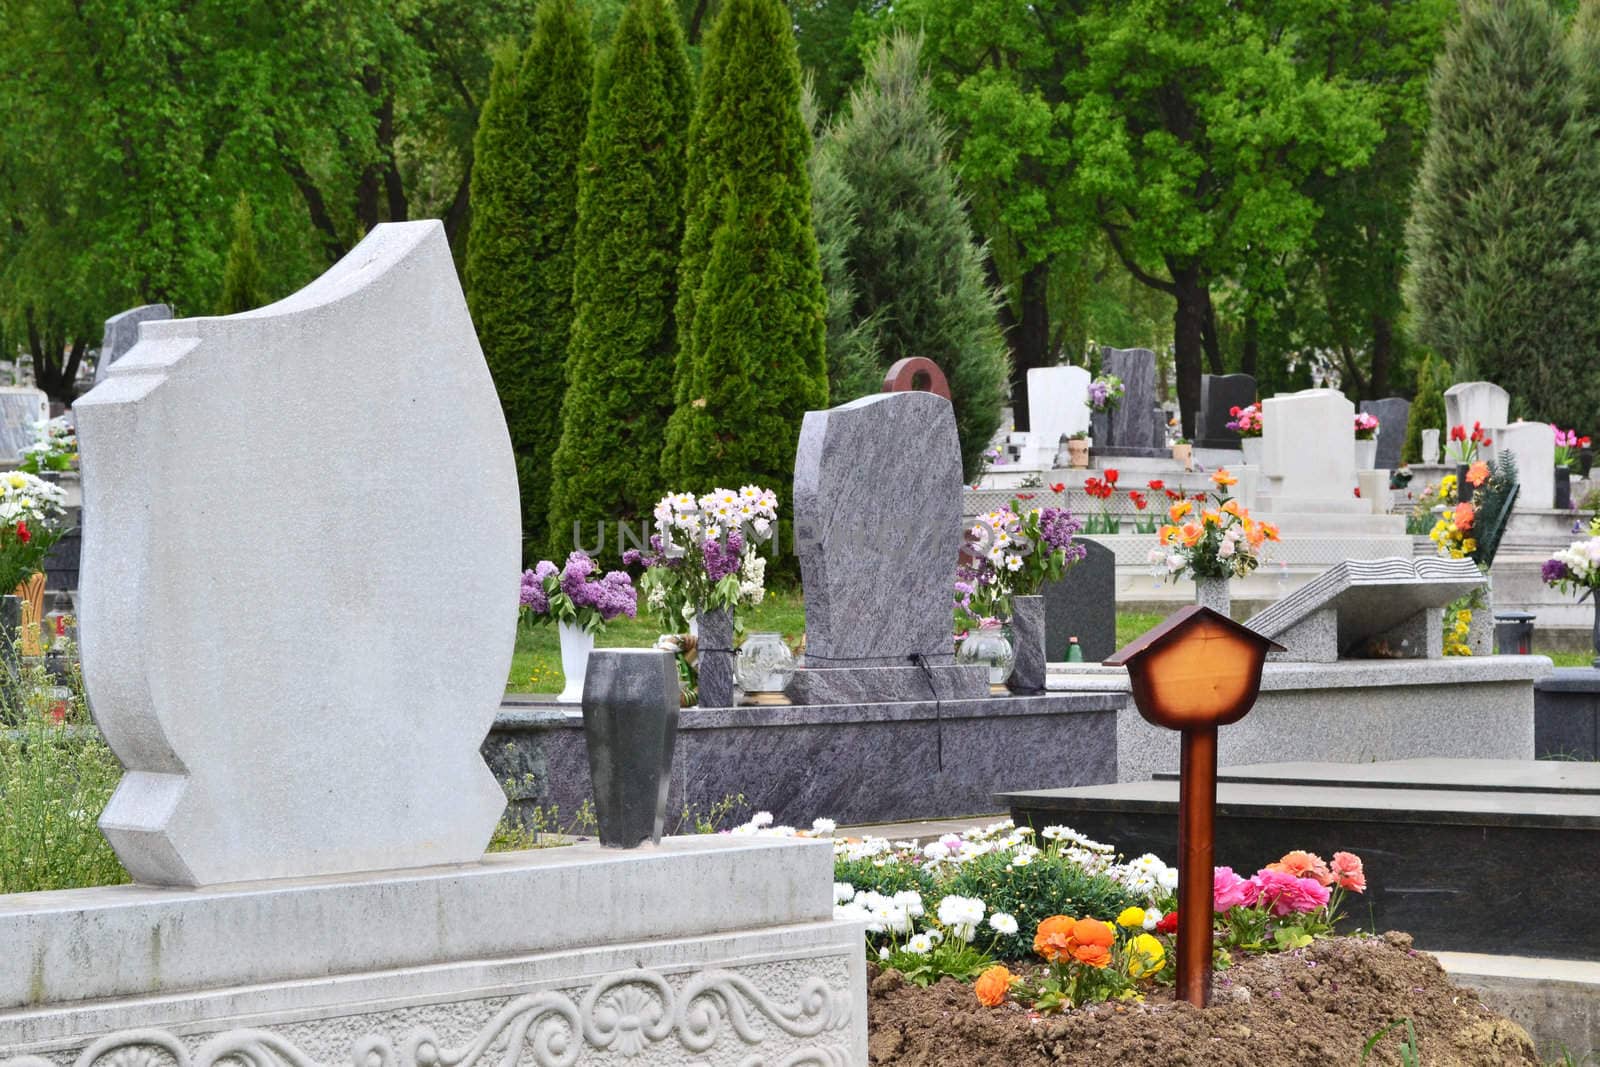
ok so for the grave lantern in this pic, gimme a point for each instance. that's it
(1196, 671)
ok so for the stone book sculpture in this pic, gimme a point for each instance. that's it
(1368, 608)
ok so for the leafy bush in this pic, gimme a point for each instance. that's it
(1050, 885)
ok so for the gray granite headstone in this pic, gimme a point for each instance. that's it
(122, 333)
(1220, 394)
(1368, 608)
(1083, 604)
(1131, 429)
(877, 523)
(22, 408)
(1392, 413)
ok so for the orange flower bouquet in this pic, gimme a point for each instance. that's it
(1090, 961)
(1211, 537)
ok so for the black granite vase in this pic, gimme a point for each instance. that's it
(1027, 639)
(1463, 488)
(630, 725)
(716, 658)
(1563, 500)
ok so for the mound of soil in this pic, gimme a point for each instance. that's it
(1314, 1005)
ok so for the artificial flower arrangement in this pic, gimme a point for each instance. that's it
(1211, 542)
(1576, 567)
(1246, 421)
(1568, 445)
(1452, 532)
(55, 450)
(1366, 426)
(574, 595)
(32, 520)
(1464, 445)
(1105, 393)
(1012, 551)
(704, 554)
(965, 905)
(1103, 489)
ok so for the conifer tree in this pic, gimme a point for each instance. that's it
(520, 247)
(751, 307)
(630, 226)
(1505, 268)
(912, 256)
(1427, 407)
(244, 282)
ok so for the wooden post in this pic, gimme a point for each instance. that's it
(1197, 800)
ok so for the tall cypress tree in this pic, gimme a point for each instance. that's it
(1427, 407)
(630, 226)
(751, 306)
(520, 247)
(244, 281)
(1505, 269)
(916, 266)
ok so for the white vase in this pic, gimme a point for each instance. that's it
(1367, 454)
(1251, 446)
(576, 644)
(1430, 447)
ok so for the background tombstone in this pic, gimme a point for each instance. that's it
(915, 373)
(1219, 394)
(1308, 441)
(1056, 408)
(122, 333)
(1534, 445)
(1083, 604)
(22, 408)
(1483, 402)
(1392, 413)
(212, 536)
(1132, 429)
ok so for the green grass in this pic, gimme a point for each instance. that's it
(1131, 624)
(1570, 659)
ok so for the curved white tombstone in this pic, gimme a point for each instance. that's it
(299, 579)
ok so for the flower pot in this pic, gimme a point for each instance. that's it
(1563, 497)
(1183, 454)
(1251, 447)
(1430, 447)
(576, 645)
(1078, 452)
(1027, 644)
(630, 726)
(1366, 454)
(1213, 593)
(716, 654)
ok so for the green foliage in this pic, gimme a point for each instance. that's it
(888, 879)
(1505, 261)
(520, 252)
(751, 308)
(1427, 408)
(244, 283)
(917, 274)
(1050, 885)
(1494, 500)
(630, 226)
(1410, 1053)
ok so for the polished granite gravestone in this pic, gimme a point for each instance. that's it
(1219, 395)
(853, 763)
(1392, 413)
(1497, 856)
(877, 527)
(1566, 714)
(1368, 608)
(1083, 604)
(122, 333)
(1133, 428)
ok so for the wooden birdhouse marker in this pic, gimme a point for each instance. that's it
(1196, 671)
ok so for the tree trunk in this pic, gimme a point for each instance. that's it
(1252, 347)
(1188, 332)
(1029, 336)
(1208, 336)
(1382, 354)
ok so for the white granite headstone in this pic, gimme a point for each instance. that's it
(1534, 445)
(1056, 407)
(1308, 441)
(22, 408)
(299, 583)
(1466, 403)
(122, 333)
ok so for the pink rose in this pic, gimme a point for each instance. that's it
(1346, 868)
(1230, 891)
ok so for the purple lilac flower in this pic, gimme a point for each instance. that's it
(632, 558)
(1098, 391)
(1056, 526)
(573, 576)
(545, 569)
(722, 558)
(532, 596)
(964, 588)
(614, 595)
(1553, 571)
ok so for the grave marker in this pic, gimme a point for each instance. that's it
(1220, 394)
(1308, 441)
(1392, 413)
(1056, 409)
(1083, 604)
(22, 408)
(916, 373)
(122, 333)
(1134, 427)
(1466, 403)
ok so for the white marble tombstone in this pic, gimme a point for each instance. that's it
(1430, 447)
(1534, 445)
(1483, 402)
(299, 582)
(1056, 406)
(22, 408)
(1308, 441)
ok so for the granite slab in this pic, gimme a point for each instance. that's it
(873, 685)
(1566, 714)
(1428, 772)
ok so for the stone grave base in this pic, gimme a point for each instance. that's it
(853, 763)
(1458, 853)
(704, 950)
(1478, 706)
(1566, 715)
